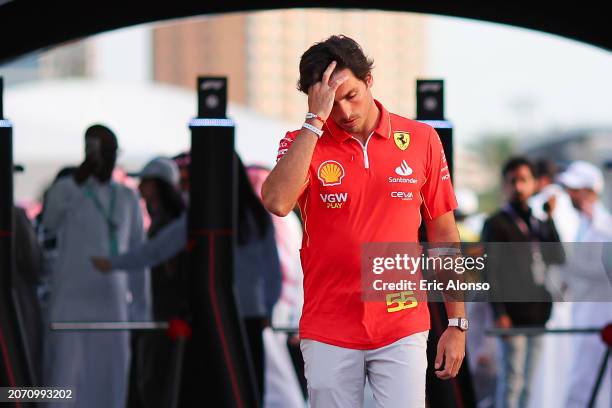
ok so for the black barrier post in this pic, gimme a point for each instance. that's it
(13, 365)
(430, 110)
(217, 365)
(457, 392)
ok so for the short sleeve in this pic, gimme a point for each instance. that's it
(437, 191)
(284, 146)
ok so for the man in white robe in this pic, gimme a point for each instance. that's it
(588, 282)
(93, 216)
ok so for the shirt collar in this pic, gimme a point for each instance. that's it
(382, 129)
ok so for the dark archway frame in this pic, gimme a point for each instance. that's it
(27, 25)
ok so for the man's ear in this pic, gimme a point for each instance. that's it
(369, 80)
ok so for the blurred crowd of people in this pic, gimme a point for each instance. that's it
(87, 257)
(563, 285)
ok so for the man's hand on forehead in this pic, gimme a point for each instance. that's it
(337, 76)
(321, 94)
(334, 76)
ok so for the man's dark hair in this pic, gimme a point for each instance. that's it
(344, 50)
(514, 163)
(101, 132)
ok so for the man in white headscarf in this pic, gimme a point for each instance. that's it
(93, 216)
(589, 284)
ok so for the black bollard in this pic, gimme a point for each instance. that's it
(13, 363)
(217, 365)
(456, 392)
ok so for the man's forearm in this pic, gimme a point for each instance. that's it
(444, 230)
(281, 189)
(455, 309)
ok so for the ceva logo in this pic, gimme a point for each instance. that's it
(334, 200)
(403, 195)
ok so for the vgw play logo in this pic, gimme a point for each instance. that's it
(334, 200)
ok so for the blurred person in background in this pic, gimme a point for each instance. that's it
(548, 190)
(48, 244)
(257, 276)
(183, 160)
(159, 187)
(481, 349)
(92, 215)
(588, 280)
(507, 269)
(26, 280)
(283, 378)
(554, 371)
(466, 215)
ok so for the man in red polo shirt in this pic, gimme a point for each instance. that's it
(361, 175)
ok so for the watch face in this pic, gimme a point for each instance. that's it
(463, 323)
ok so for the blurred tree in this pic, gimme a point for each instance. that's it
(494, 149)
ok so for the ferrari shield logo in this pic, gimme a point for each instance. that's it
(402, 139)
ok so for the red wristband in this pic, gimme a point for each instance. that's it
(311, 115)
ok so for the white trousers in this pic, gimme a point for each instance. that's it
(336, 375)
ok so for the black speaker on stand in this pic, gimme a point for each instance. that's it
(13, 361)
(457, 392)
(218, 370)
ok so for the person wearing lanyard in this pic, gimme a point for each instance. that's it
(361, 174)
(93, 216)
(515, 272)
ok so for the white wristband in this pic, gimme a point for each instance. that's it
(318, 132)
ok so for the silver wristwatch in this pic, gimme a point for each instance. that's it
(459, 322)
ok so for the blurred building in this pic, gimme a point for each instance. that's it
(259, 52)
(20, 70)
(472, 172)
(67, 61)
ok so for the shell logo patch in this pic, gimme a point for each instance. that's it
(330, 173)
(402, 139)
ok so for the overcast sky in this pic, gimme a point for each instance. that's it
(502, 78)
(498, 78)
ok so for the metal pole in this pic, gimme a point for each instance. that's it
(101, 326)
(600, 376)
(536, 331)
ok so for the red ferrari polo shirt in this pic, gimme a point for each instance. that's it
(363, 193)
